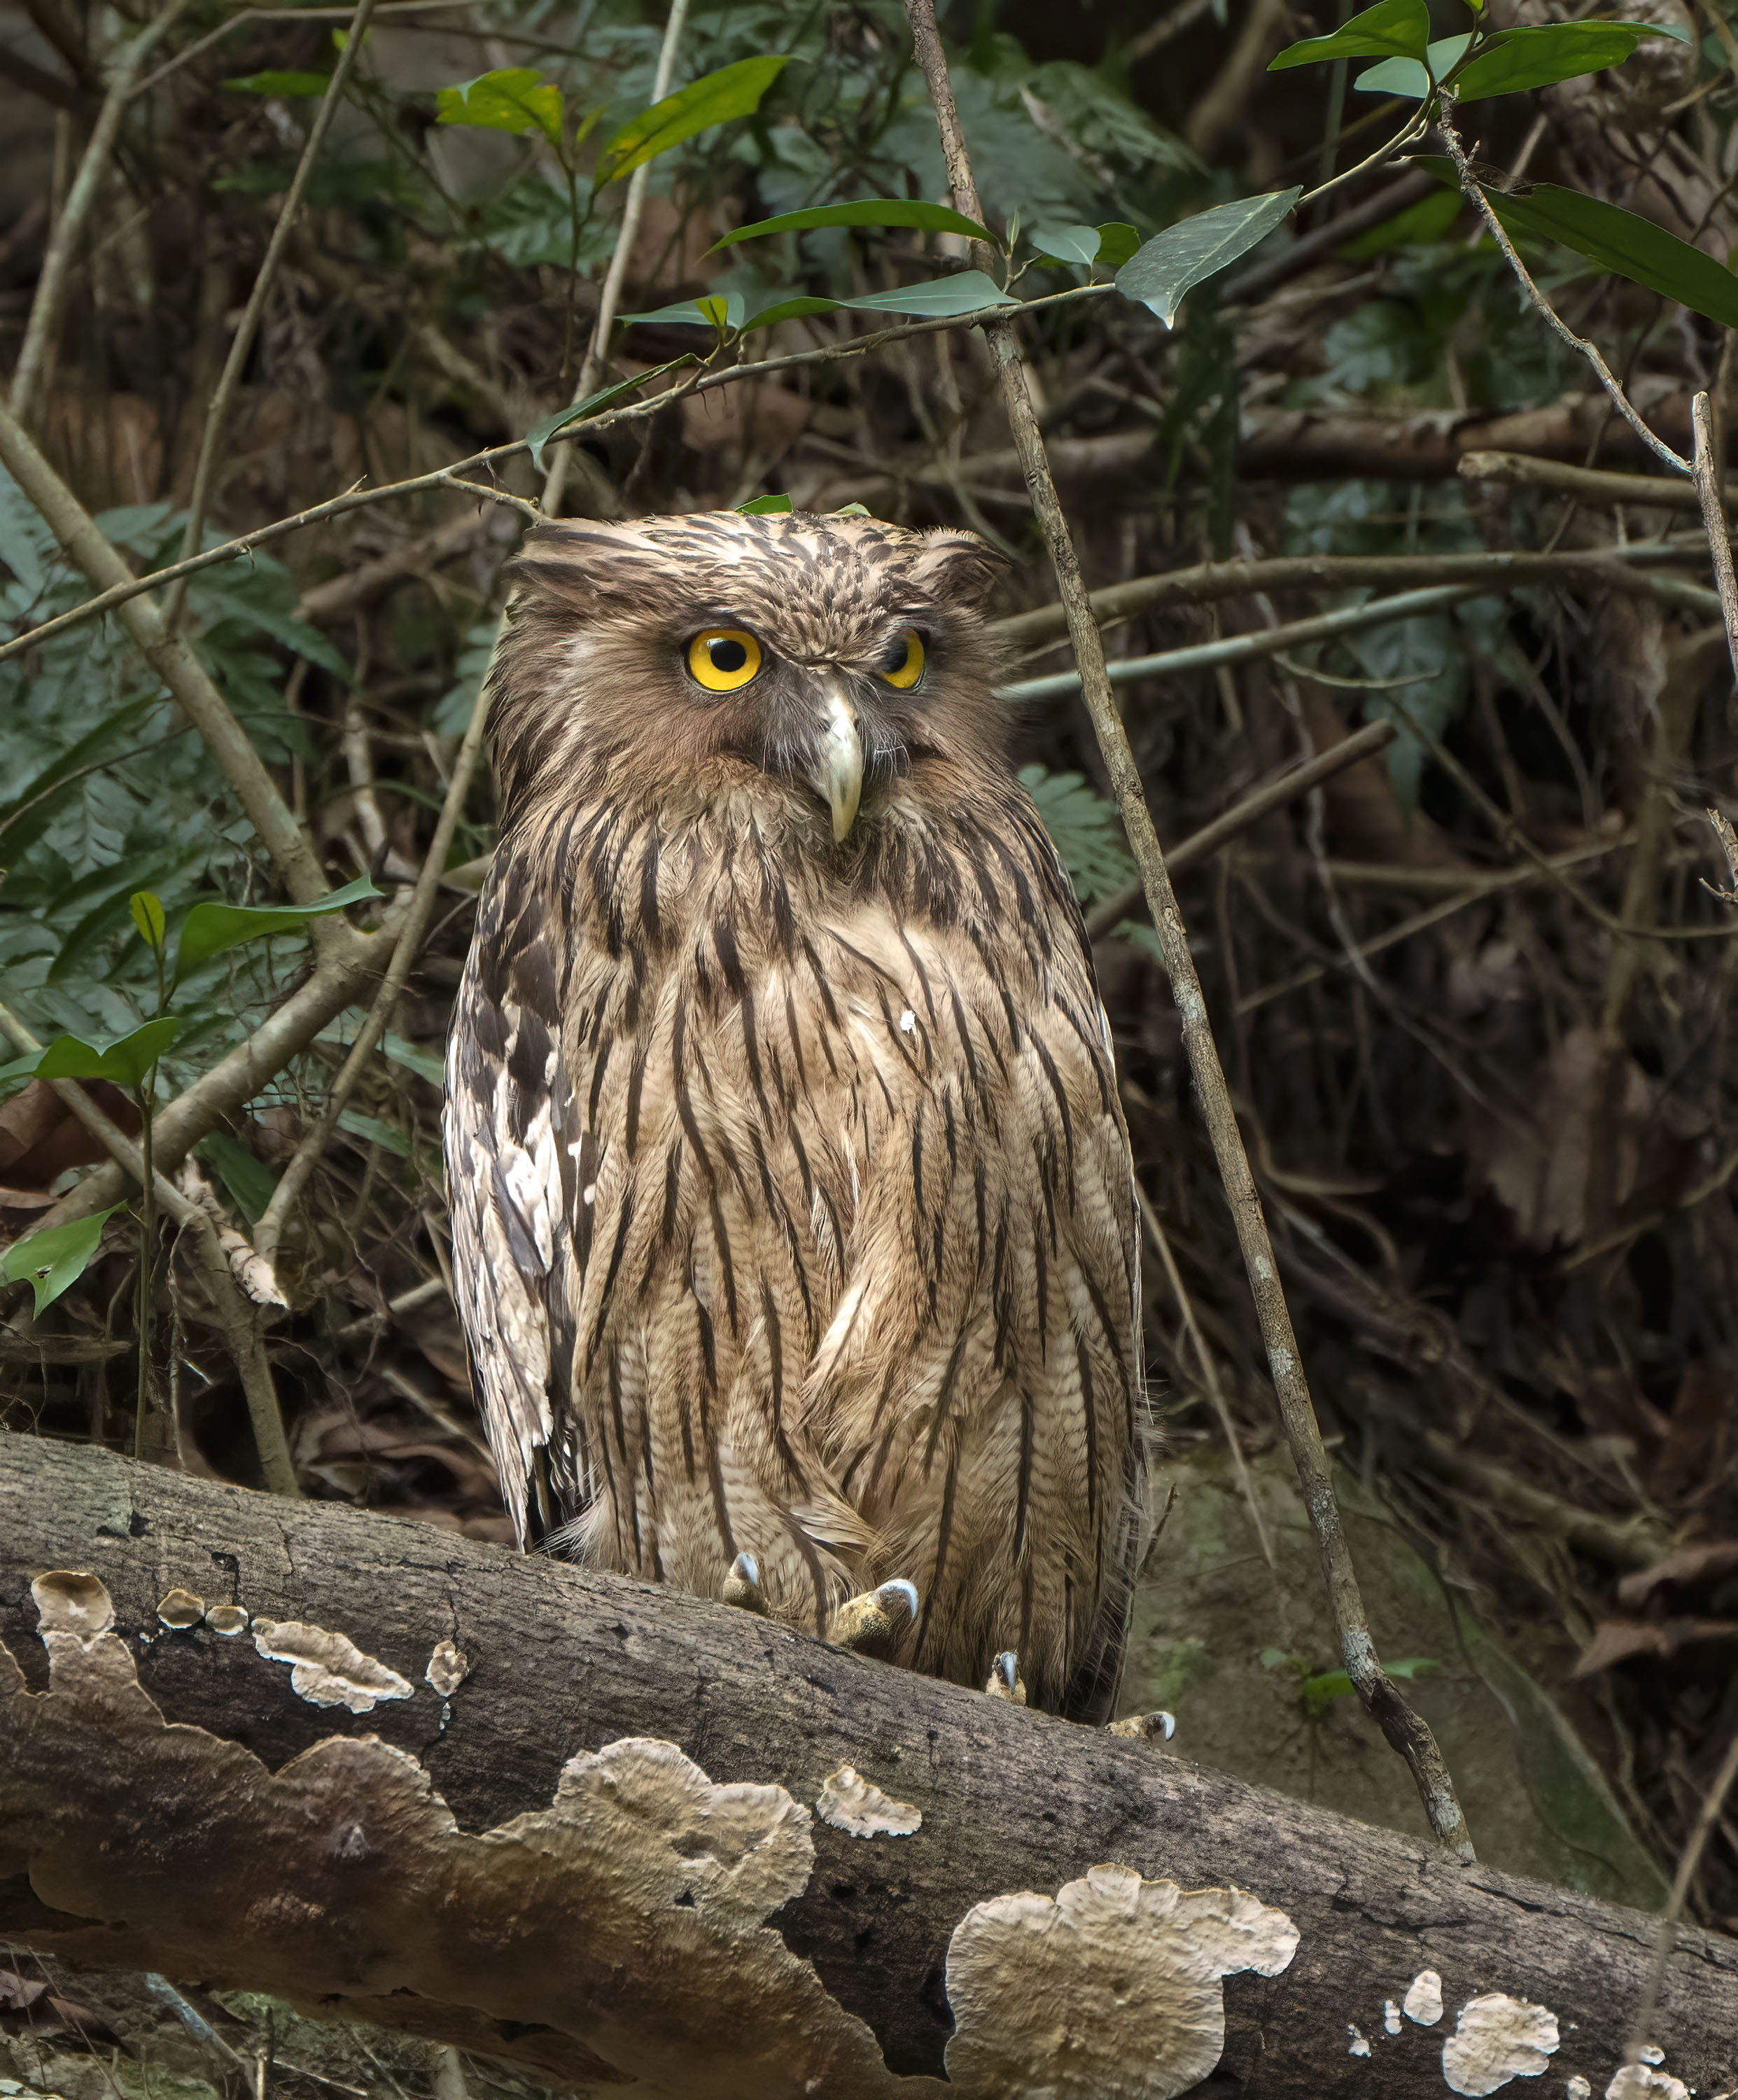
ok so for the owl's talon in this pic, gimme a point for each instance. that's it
(1157, 1727)
(1005, 1680)
(742, 1585)
(872, 1621)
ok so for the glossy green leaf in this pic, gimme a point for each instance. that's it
(1411, 77)
(1173, 262)
(790, 310)
(212, 927)
(576, 412)
(125, 1060)
(249, 1181)
(713, 310)
(146, 908)
(372, 1131)
(1391, 30)
(1516, 59)
(734, 90)
(967, 292)
(1622, 241)
(515, 98)
(1067, 244)
(279, 83)
(53, 1261)
(427, 1064)
(865, 211)
(1117, 241)
(764, 506)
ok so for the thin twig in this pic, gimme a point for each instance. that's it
(1590, 484)
(555, 479)
(241, 1335)
(1259, 802)
(1475, 194)
(175, 664)
(43, 327)
(1707, 470)
(212, 439)
(356, 497)
(1712, 1802)
(268, 1232)
(1404, 1729)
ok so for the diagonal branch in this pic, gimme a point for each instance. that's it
(217, 416)
(173, 661)
(1405, 1730)
(43, 327)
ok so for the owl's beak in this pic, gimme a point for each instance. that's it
(838, 773)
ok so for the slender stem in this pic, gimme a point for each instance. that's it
(241, 1336)
(1707, 470)
(268, 1232)
(147, 1250)
(1712, 1802)
(1415, 126)
(43, 327)
(555, 480)
(1474, 191)
(217, 416)
(1405, 1730)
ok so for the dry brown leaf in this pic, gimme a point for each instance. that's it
(1689, 1564)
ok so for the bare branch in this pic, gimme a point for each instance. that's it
(42, 330)
(241, 349)
(1404, 1728)
(174, 662)
(1708, 494)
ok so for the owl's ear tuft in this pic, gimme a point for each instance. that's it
(586, 566)
(960, 568)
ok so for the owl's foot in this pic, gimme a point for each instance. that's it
(1156, 1727)
(872, 1621)
(742, 1585)
(1005, 1680)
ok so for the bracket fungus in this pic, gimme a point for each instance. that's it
(328, 1669)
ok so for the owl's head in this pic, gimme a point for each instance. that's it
(821, 656)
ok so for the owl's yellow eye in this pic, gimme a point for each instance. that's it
(906, 664)
(724, 658)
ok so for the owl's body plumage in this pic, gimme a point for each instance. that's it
(792, 1200)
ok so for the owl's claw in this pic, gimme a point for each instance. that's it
(872, 1621)
(742, 1585)
(1005, 1680)
(1158, 1727)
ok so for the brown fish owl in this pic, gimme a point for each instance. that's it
(793, 1219)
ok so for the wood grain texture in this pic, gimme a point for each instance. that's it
(563, 1661)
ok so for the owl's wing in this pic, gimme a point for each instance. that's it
(516, 1169)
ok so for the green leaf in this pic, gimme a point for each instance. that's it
(1085, 829)
(1321, 1691)
(789, 310)
(866, 211)
(249, 1181)
(1515, 60)
(1067, 244)
(423, 1063)
(966, 292)
(735, 91)
(146, 908)
(125, 1061)
(1391, 30)
(372, 1131)
(1117, 241)
(279, 83)
(1418, 226)
(723, 311)
(576, 412)
(764, 506)
(1411, 76)
(515, 98)
(1173, 262)
(53, 1261)
(211, 928)
(1622, 241)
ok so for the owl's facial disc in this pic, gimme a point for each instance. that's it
(837, 768)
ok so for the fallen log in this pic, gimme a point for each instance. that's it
(394, 1775)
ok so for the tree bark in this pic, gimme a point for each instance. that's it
(677, 1918)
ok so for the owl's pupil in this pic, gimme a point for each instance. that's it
(726, 655)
